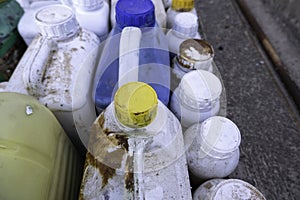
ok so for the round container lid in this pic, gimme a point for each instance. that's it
(135, 104)
(183, 5)
(220, 134)
(201, 85)
(236, 189)
(56, 21)
(186, 24)
(88, 4)
(138, 13)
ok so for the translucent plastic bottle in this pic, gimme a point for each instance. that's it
(179, 6)
(185, 27)
(38, 161)
(196, 98)
(12, 45)
(27, 26)
(160, 13)
(193, 54)
(58, 68)
(136, 150)
(93, 15)
(214, 148)
(147, 50)
(228, 189)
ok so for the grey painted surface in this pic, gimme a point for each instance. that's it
(256, 103)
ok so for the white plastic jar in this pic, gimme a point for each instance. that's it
(227, 189)
(179, 6)
(213, 148)
(193, 54)
(93, 15)
(185, 27)
(196, 98)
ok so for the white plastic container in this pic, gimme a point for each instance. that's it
(206, 188)
(58, 68)
(185, 27)
(27, 26)
(213, 148)
(136, 150)
(196, 98)
(179, 6)
(93, 15)
(160, 13)
(194, 54)
(167, 3)
(228, 189)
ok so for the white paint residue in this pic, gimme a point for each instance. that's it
(196, 55)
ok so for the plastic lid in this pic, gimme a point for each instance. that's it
(183, 5)
(135, 104)
(236, 189)
(194, 52)
(220, 134)
(138, 13)
(186, 23)
(200, 89)
(88, 4)
(57, 21)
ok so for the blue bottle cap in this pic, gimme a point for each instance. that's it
(138, 13)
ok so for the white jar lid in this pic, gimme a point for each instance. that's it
(56, 21)
(199, 89)
(88, 5)
(186, 23)
(236, 189)
(195, 54)
(220, 135)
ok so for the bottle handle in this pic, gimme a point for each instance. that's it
(36, 66)
(129, 55)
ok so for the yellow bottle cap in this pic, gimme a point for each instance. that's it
(182, 5)
(135, 104)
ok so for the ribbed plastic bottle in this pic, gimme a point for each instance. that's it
(136, 150)
(160, 13)
(185, 27)
(229, 189)
(213, 150)
(27, 26)
(137, 50)
(12, 45)
(196, 98)
(194, 54)
(58, 68)
(179, 6)
(93, 15)
(37, 159)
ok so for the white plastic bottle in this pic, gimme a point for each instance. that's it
(213, 148)
(57, 68)
(179, 6)
(228, 189)
(27, 26)
(160, 13)
(167, 3)
(206, 188)
(93, 15)
(194, 54)
(185, 27)
(196, 98)
(136, 150)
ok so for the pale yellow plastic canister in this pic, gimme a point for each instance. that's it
(37, 160)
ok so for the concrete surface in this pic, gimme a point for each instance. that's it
(257, 102)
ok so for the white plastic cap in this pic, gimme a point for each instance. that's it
(186, 23)
(199, 89)
(88, 5)
(219, 135)
(236, 189)
(195, 54)
(57, 21)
